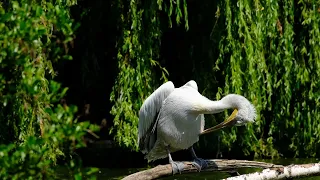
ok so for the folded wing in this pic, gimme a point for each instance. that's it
(148, 114)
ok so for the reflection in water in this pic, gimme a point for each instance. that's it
(113, 174)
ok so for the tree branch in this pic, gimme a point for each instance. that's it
(213, 165)
(291, 171)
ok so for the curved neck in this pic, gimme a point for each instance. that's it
(213, 107)
(207, 106)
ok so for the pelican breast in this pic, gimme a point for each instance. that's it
(179, 127)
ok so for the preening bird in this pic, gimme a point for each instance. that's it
(171, 119)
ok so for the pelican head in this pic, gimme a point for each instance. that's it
(244, 112)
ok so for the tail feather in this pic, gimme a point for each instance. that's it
(157, 152)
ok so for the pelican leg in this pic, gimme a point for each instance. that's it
(198, 162)
(176, 166)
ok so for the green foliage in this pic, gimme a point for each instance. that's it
(274, 61)
(137, 58)
(267, 51)
(33, 159)
(34, 131)
(26, 41)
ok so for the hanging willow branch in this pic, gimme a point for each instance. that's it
(138, 55)
(213, 165)
(267, 51)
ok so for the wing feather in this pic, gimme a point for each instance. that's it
(149, 111)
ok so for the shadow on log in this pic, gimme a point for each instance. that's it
(213, 165)
(286, 172)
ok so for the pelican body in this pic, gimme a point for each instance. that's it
(171, 119)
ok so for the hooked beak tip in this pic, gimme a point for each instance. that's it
(228, 122)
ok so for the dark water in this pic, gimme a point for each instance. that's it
(114, 174)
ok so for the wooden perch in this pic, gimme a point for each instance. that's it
(291, 171)
(213, 165)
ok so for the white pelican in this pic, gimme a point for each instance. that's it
(171, 119)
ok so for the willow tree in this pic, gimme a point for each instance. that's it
(137, 60)
(271, 48)
(266, 50)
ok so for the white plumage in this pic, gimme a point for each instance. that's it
(172, 119)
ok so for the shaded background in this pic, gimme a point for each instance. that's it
(259, 68)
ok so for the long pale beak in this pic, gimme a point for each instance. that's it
(228, 122)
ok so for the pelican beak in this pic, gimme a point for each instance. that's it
(228, 122)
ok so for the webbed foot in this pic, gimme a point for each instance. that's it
(177, 167)
(200, 163)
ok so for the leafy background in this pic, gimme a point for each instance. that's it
(70, 65)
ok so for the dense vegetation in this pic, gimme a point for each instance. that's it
(267, 51)
(120, 51)
(36, 130)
